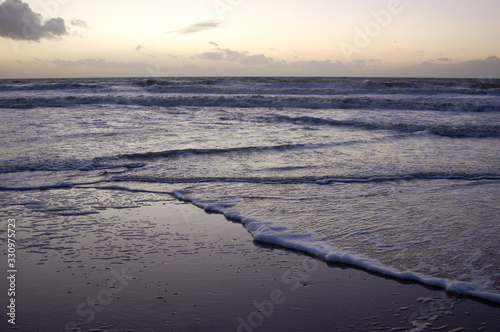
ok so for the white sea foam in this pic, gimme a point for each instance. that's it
(276, 234)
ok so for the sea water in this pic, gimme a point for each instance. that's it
(396, 176)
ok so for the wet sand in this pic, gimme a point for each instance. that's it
(168, 266)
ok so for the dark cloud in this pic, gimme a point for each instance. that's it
(19, 22)
(197, 27)
(213, 43)
(444, 59)
(79, 23)
(139, 47)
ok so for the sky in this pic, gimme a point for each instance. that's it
(161, 38)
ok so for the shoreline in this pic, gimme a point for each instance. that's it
(361, 262)
(168, 266)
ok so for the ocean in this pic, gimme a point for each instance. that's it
(392, 175)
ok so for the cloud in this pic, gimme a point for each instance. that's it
(488, 67)
(19, 22)
(197, 27)
(98, 67)
(320, 68)
(216, 56)
(98, 63)
(258, 59)
(139, 47)
(246, 64)
(366, 62)
(444, 59)
(235, 56)
(213, 43)
(175, 56)
(79, 23)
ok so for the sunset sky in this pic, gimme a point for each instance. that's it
(110, 38)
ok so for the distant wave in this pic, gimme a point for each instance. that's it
(268, 85)
(257, 100)
(51, 86)
(322, 86)
(327, 86)
(492, 130)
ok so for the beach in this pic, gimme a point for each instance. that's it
(169, 266)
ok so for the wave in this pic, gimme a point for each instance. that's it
(410, 177)
(321, 86)
(304, 180)
(324, 180)
(455, 131)
(276, 234)
(193, 151)
(113, 162)
(258, 100)
(60, 185)
(307, 86)
(271, 232)
(73, 165)
(60, 85)
(262, 180)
